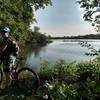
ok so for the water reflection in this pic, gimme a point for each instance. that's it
(29, 52)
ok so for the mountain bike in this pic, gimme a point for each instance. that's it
(25, 78)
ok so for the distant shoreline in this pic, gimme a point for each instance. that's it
(89, 36)
(77, 38)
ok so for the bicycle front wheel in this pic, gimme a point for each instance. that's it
(27, 80)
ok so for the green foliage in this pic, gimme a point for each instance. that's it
(62, 81)
(70, 81)
(19, 14)
(92, 12)
(46, 72)
(56, 91)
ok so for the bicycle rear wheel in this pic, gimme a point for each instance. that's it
(27, 80)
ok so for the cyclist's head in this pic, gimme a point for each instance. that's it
(5, 29)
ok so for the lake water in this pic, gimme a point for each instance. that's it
(69, 50)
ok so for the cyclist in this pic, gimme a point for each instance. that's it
(8, 50)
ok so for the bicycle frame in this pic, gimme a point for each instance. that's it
(13, 71)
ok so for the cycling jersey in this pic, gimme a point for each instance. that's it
(9, 52)
(12, 47)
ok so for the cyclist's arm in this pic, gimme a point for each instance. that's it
(3, 47)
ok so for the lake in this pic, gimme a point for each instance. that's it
(68, 49)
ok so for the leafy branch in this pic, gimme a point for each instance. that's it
(93, 51)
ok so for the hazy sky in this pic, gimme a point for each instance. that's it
(64, 18)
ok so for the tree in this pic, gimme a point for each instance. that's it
(36, 29)
(19, 14)
(92, 12)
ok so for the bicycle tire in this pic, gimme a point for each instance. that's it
(1, 76)
(24, 83)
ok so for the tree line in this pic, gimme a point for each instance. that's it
(89, 36)
(36, 37)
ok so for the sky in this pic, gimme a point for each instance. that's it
(63, 18)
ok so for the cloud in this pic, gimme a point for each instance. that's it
(63, 18)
